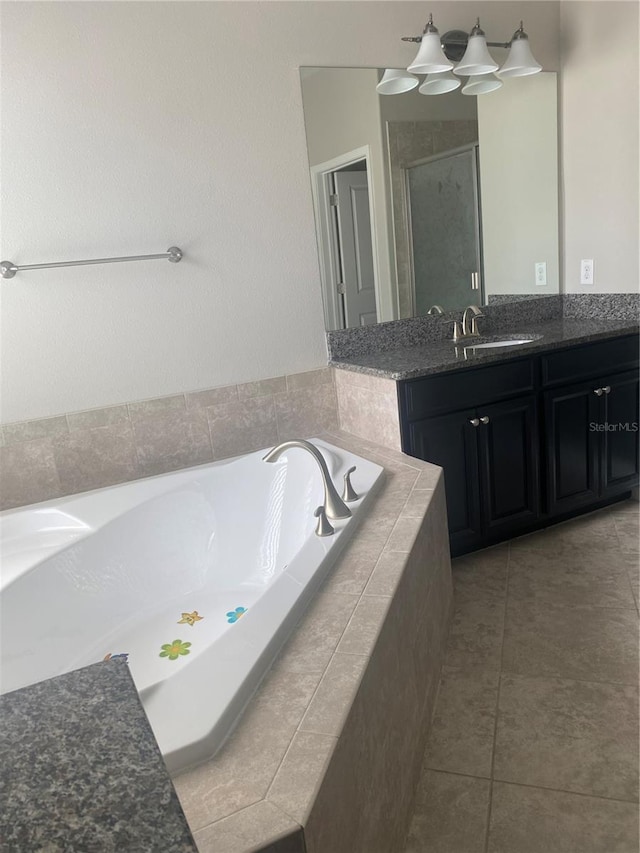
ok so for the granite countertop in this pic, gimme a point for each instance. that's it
(81, 770)
(443, 356)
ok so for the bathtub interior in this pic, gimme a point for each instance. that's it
(196, 577)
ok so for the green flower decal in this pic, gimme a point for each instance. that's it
(174, 650)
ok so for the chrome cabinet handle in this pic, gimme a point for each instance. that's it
(598, 392)
(607, 389)
(349, 494)
(475, 422)
(484, 420)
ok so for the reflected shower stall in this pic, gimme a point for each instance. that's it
(443, 211)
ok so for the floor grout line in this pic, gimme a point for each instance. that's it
(497, 705)
(566, 791)
(568, 678)
(527, 785)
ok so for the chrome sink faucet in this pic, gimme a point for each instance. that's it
(334, 506)
(469, 324)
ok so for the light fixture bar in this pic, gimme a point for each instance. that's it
(456, 42)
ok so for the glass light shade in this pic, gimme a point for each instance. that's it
(476, 59)
(430, 58)
(481, 84)
(395, 81)
(439, 84)
(520, 61)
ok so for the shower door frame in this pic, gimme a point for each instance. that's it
(474, 148)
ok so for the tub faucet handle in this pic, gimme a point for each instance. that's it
(323, 527)
(349, 494)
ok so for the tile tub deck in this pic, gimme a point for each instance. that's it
(327, 756)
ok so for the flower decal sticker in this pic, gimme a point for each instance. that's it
(123, 656)
(234, 615)
(190, 618)
(174, 650)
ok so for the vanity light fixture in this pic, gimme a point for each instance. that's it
(520, 62)
(481, 84)
(430, 58)
(439, 84)
(395, 81)
(436, 56)
(476, 59)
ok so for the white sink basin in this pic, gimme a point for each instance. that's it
(510, 343)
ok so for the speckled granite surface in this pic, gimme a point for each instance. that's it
(418, 331)
(503, 313)
(443, 356)
(614, 306)
(80, 769)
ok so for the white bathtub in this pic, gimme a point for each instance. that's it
(114, 571)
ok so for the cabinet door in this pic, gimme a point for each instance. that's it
(620, 437)
(451, 442)
(572, 416)
(509, 462)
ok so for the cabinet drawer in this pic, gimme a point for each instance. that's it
(590, 360)
(447, 392)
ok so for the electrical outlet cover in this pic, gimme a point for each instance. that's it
(541, 273)
(586, 271)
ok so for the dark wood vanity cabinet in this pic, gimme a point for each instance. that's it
(538, 438)
(490, 458)
(592, 440)
(489, 452)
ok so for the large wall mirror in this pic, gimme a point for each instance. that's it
(420, 200)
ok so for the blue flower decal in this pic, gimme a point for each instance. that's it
(234, 615)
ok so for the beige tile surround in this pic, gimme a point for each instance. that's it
(79, 451)
(327, 757)
(368, 407)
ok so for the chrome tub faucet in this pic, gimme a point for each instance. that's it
(334, 506)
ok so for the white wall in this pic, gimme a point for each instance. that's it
(519, 184)
(130, 126)
(599, 109)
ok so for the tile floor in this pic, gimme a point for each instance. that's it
(534, 743)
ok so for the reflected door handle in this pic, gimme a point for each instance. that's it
(475, 422)
(484, 420)
(475, 281)
(598, 392)
(607, 389)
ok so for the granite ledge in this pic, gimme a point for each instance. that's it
(444, 356)
(81, 770)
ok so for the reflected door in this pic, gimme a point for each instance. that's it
(444, 216)
(355, 248)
